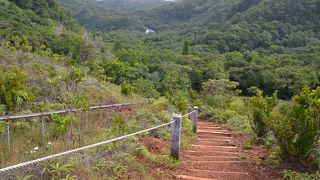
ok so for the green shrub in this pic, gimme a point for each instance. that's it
(145, 88)
(261, 111)
(118, 125)
(147, 118)
(296, 125)
(126, 88)
(291, 175)
(60, 124)
(13, 90)
(181, 102)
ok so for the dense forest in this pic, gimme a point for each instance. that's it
(252, 64)
(262, 44)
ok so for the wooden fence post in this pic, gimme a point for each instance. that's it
(195, 120)
(71, 124)
(71, 128)
(86, 120)
(42, 128)
(189, 111)
(79, 127)
(7, 130)
(100, 113)
(175, 136)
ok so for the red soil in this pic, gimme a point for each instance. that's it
(154, 145)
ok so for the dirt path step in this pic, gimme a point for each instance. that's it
(210, 127)
(217, 133)
(192, 177)
(213, 156)
(214, 143)
(199, 153)
(216, 155)
(216, 175)
(227, 166)
(214, 147)
(213, 150)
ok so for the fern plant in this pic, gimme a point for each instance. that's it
(58, 170)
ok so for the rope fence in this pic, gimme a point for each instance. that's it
(175, 137)
(33, 115)
(41, 116)
(186, 115)
(79, 149)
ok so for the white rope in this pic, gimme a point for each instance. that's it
(188, 113)
(4, 118)
(79, 149)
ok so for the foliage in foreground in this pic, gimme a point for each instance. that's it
(289, 129)
(294, 124)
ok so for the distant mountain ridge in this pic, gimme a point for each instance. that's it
(110, 14)
(228, 25)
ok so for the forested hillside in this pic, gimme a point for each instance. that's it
(43, 50)
(109, 14)
(230, 25)
(39, 23)
(267, 44)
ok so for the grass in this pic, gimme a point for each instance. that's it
(25, 138)
(111, 161)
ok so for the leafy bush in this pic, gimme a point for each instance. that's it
(291, 175)
(126, 88)
(261, 111)
(147, 118)
(145, 88)
(60, 124)
(296, 125)
(218, 93)
(118, 125)
(180, 102)
(13, 91)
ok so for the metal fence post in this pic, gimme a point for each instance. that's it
(175, 136)
(7, 130)
(195, 120)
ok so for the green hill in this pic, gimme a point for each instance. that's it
(40, 25)
(235, 25)
(225, 25)
(109, 14)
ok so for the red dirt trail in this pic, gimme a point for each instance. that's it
(217, 155)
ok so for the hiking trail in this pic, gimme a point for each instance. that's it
(216, 154)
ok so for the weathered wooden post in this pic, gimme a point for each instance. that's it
(7, 130)
(42, 127)
(195, 120)
(189, 111)
(100, 113)
(79, 127)
(175, 136)
(86, 120)
(71, 127)
(71, 124)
